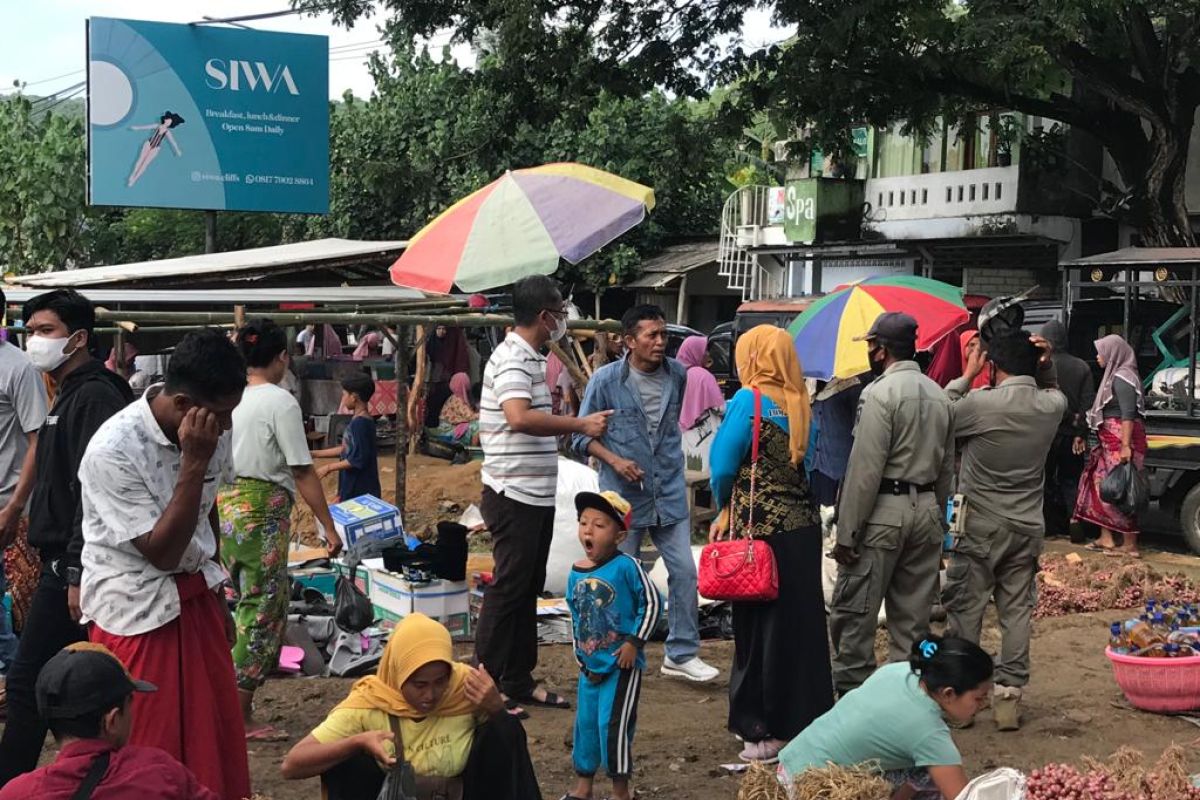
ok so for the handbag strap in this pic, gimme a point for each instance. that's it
(398, 741)
(748, 531)
(95, 774)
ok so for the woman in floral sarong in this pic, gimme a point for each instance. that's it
(1117, 417)
(272, 462)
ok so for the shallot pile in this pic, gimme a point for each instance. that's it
(1124, 777)
(1066, 587)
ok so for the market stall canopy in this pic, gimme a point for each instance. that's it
(521, 225)
(339, 259)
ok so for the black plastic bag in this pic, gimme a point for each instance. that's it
(1127, 488)
(352, 611)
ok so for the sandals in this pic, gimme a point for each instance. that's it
(1116, 552)
(515, 710)
(1097, 548)
(267, 733)
(552, 701)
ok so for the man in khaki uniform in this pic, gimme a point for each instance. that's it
(1008, 431)
(892, 510)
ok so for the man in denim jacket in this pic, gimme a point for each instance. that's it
(641, 458)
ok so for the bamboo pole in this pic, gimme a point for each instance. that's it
(401, 367)
(418, 389)
(581, 380)
(292, 318)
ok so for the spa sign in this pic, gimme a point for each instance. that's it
(204, 117)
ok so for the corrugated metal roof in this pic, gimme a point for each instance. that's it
(1139, 257)
(234, 296)
(252, 264)
(675, 261)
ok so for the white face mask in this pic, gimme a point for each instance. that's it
(47, 354)
(560, 328)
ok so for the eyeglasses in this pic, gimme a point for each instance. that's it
(558, 312)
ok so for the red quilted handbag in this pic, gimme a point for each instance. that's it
(741, 569)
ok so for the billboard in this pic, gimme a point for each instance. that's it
(202, 117)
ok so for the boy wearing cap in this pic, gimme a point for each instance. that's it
(85, 696)
(614, 609)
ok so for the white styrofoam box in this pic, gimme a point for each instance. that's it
(446, 601)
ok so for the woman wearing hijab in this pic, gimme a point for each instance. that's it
(459, 420)
(969, 342)
(443, 717)
(781, 678)
(1117, 416)
(703, 404)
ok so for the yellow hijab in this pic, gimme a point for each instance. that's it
(416, 641)
(767, 361)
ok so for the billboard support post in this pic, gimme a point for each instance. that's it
(210, 231)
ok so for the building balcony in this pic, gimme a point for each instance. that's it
(943, 195)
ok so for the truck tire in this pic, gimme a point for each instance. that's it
(1189, 519)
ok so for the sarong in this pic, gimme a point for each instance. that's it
(1103, 459)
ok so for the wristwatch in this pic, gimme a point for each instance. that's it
(74, 575)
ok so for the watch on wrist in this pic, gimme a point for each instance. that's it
(74, 575)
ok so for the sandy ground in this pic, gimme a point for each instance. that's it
(1073, 707)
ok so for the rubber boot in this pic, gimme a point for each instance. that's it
(1006, 703)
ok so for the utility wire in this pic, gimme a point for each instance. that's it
(55, 78)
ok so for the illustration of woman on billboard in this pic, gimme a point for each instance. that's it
(162, 130)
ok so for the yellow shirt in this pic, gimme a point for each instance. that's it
(436, 746)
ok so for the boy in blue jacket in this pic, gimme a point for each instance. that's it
(614, 609)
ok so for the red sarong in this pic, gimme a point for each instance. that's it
(194, 715)
(1103, 459)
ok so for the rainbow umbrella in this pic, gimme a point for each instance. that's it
(520, 225)
(825, 332)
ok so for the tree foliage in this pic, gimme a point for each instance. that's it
(433, 132)
(1122, 70)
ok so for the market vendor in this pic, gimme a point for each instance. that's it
(448, 720)
(897, 719)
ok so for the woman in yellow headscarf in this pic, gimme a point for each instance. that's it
(780, 679)
(450, 718)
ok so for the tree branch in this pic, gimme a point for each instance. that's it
(1144, 44)
(1124, 90)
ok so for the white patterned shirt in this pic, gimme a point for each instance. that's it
(127, 477)
(520, 466)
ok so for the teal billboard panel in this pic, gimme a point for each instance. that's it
(204, 117)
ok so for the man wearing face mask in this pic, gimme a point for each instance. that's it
(519, 434)
(153, 586)
(59, 327)
(891, 517)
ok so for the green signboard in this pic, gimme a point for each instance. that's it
(822, 209)
(800, 210)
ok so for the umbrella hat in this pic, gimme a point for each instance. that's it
(522, 224)
(826, 333)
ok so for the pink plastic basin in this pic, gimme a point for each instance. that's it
(1158, 684)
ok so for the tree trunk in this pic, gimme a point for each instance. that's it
(1161, 202)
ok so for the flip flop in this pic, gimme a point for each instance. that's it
(514, 709)
(1096, 548)
(552, 701)
(267, 733)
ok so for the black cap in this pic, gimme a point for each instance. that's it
(892, 326)
(84, 679)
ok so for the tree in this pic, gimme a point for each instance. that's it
(1123, 71)
(41, 187)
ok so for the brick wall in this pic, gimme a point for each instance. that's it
(1000, 282)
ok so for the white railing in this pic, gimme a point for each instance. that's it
(963, 193)
(743, 219)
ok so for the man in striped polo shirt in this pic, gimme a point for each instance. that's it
(520, 479)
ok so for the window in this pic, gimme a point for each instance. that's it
(998, 184)
(971, 192)
(985, 191)
(924, 196)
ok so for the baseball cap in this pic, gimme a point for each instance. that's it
(891, 326)
(83, 679)
(609, 503)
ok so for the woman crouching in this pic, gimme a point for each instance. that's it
(897, 720)
(444, 718)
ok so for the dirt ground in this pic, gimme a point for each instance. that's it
(1073, 708)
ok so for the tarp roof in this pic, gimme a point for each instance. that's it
(235, 296)
(346, 259)
(1139, 257)
(674, 262)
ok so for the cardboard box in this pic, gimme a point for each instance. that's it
(366, 517)
(446, 601)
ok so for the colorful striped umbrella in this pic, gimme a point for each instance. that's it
(519, 225)
(825, 332)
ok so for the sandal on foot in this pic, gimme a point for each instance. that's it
(1098, 548)
(267, 733)
(514, 709)
(552, 701)
(1116, 552)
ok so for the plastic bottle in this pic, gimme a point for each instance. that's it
(1157, 650)
(1143, 635)
(1116, 640)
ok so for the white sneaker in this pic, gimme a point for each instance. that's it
(694, 670)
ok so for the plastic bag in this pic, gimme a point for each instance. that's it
(1127, 488)
(352, 611)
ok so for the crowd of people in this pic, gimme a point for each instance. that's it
(143, 515)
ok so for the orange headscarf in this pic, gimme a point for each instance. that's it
(767, 361)
(965, 339)
(416, 641)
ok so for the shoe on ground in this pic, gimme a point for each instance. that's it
(694, 670)
(760, 752)
(1006, 708)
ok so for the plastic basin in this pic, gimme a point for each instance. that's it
(1158, 684)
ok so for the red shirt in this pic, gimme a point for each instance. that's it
(134, 773)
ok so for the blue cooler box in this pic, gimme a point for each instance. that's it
(366, 518)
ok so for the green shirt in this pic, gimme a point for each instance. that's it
(889, 719)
